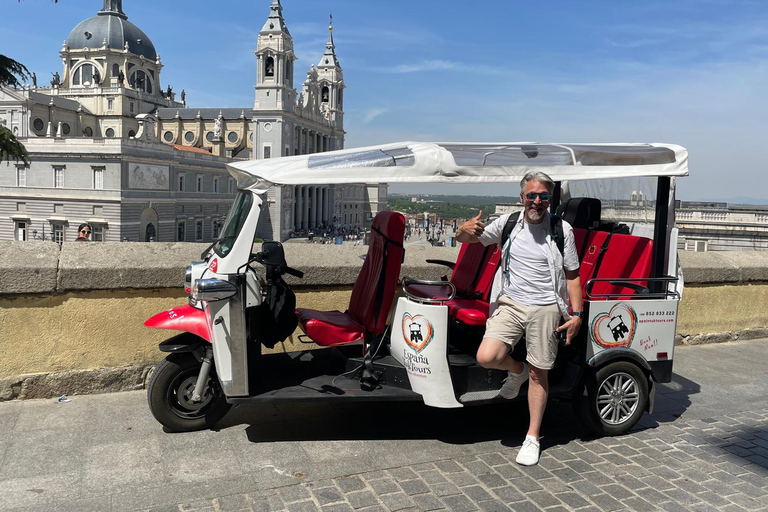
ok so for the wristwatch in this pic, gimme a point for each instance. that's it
(576, 313)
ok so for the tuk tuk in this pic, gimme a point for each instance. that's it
(619, 198)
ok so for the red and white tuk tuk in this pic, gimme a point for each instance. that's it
(618, 197)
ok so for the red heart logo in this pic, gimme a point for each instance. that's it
(615, 328)
(417, 331)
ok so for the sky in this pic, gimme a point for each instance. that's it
(689, 72)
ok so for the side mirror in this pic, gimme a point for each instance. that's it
(213, 289)
(272, 254)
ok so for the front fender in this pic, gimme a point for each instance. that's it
(182, 318)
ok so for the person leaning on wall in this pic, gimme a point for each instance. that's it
(84, 231)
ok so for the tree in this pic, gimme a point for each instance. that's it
(11, 72)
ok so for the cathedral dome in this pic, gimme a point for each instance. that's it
(112, 25)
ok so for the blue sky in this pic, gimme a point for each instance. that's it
(691, 72)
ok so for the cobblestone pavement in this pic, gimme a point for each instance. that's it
(705, 448)
(717, 464)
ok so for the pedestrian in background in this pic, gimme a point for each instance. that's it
(84, 231)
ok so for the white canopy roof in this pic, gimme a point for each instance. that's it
(458, 163)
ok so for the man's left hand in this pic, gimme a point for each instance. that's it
(571, 327)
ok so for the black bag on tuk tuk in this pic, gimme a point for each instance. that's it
(275, 319)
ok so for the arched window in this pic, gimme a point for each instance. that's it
(141, 81)
(115, 70)
(269, 67)
(324, 94)
(340, 98)
(288, 70)
(83, 75)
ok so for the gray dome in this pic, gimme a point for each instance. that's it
(116, 30)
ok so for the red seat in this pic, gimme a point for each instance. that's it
(373, 291)
(626, 257)
(472, 276)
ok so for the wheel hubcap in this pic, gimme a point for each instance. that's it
(180, 396)
(617, 398)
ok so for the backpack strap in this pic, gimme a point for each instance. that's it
(556, 223)
(508, 227)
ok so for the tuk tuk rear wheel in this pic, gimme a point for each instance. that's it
(170, 390)
(616, 398)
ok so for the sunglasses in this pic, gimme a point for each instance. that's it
(544, 196)
(85, 232)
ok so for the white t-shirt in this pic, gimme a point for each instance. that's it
(528, 279)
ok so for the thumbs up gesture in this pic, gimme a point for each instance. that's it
(471, 229)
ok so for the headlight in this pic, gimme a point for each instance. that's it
(212, 289)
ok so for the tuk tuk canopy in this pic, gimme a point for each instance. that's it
(463, 163)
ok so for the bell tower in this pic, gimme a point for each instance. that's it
(330, 81)
(274, 69)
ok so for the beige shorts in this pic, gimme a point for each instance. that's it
(512, 320)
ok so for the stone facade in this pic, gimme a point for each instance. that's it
(91, 161)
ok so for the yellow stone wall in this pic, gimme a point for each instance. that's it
(97, 329)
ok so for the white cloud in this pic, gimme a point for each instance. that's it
(372, 113)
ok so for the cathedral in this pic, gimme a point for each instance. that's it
(109, 144)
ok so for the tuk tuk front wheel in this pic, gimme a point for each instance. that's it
(170, 395)
(616, 398)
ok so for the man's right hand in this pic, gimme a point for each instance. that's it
(471, 230)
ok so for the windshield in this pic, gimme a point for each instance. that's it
(234, 223)
(623, 199)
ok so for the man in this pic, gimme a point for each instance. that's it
(530, 294)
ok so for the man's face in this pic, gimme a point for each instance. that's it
(535, 208)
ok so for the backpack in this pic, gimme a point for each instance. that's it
(556, 225)
(275, 319)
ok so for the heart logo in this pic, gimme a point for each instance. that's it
(417, 331)
(214, 265)
(615, 328)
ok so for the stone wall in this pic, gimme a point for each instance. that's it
(72, 317)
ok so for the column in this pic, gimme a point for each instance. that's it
(328, 205)
(305, 208)
(297, 207)
(313, 220)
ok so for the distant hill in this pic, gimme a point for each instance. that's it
(467, 200)
(745, 200)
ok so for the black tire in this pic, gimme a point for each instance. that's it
(616, 398)
(171, 387)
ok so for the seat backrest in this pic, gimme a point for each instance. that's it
(375, 285)
(580, 212)
(473, 273)
(626, 257)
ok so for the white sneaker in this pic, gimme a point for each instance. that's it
(512, 383)
(529, 453)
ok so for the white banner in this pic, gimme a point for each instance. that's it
(419, 342)
(645, 326)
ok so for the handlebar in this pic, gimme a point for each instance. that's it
(422, 291)
(293, 272)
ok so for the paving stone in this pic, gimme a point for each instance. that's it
(586, 488)
(327, 495)
(432, 476)
(714, 499)
(349, 484)
(572, 500)
(397, 501)
(493, 506)
(461, 479)
(508, 494)
(428, 502)
(524, 506)
(492, 480)
(460, 503)
(424, 466)
(448, 466)
(303, 506)
(493, 459)
(412, 487)
(606, 502)
(597, 477)
(477, 467)
(400, 474)
(294, 493)
(384, 486)
(567, 475)
(337, 507)
(476, 493)
(526, 484)
(671, 506)
(555, 485)
(682, 496)
(361, 499)
(617, 491)
(270, 503)
(637, 504)
(543, 499)
(446, 489)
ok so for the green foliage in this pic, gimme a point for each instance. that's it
(10, 70)
(10, 147)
